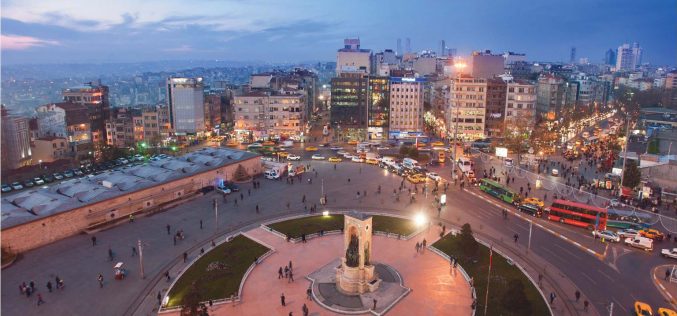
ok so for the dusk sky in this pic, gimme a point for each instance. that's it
(80, 31)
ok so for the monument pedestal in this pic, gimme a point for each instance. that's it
(356, 280)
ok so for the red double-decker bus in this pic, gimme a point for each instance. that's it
(577, 214)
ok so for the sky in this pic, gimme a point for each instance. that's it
(93, 31)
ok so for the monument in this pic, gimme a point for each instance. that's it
(356, 273)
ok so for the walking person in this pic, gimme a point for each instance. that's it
(40, 301)
(257, 209)
(169, 228)
(280, 274)
(93, 241)
(304, 309)
(185, 257)
(578, 295)
(667, 274)
(49, 286)
(291, 276)
(167, 276)
(110, 254)
(516, 237)
(585, 305)
(552, 297)
(309, 292)
(282, 300)
(200, 224)
(133, 251)
(100, 279)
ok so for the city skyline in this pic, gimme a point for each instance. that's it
(124, 31)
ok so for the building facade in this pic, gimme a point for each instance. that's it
(95, 97)
(261, 115)
(467, 110)
(349, 102)
(486, 65)
(16, 142)
(353, 59)
(186, 105)
(520, 105)
(71, 121)
(628, 57)
(49, 149)
(378, 108)
(406, 105)
(495, 113)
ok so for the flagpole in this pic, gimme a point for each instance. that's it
(486, 297)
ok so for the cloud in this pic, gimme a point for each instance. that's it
(18, 42)
(180, 49)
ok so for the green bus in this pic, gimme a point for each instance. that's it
(497, 190)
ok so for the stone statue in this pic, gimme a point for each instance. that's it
(353, 252)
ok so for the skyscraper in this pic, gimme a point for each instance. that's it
(348, 117)
(610, 57)
(186, 105)
(628, 57)
(407, 45)
(572, 55)
(443, 48)
(16, 147)
(399, 47)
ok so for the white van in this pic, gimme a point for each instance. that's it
(409, 163)
(271, 174)
(640, 242)
(387, 161)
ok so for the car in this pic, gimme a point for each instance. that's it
(382, 148)
(38, 181)
(311, 148)
(416, 178)
(352, 142)
(434, 176)
(356, 159)
(640, 242)
(17, 186)
(508, 162)
(606, 235)
(317, 157)
(324, 145)
(255, 146)
(669, 253)
(138, 157)
(48, 178)
(58, 176)
(124, 161)
(282, 154)
(651, 234)
(666, 312)
(268, 143)
(533, 210)
(77, 172)
(628, 232)
(437, 144)
(614, 203)
(372, 161)
(554, 172)
(6, 188)
(224, 190)
(341, 152)
(533, 201)
(335, 148)
(293, 157)
(643, 309)
(28, 184)
(228, 187)
(69, 173)
(335, 159)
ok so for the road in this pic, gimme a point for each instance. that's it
(622, 276)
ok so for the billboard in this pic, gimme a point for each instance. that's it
(501, 152)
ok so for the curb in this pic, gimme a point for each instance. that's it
(671, 299)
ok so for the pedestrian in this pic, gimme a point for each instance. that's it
(49, 286)
(578, 295)
(417, 246)
(133, 251)
(257, 209)
(200, 224)
(100, 279)
(309, 292)
(40, 301)
(167, 276)
(516, 237)
(32, 285)
(585, 305)
(131, 218)
(291, 276)
(374, 304)
(110, 254)
(93, 241)
(213, 243)
(174, 240)
(235, 202)
(348, 180)
(185, 257)
(552, 297)
(159, 297)
(304, 309)
(169, 228)
(667, 274)
(282, 300)
(241, 196)
(280, 274)
(290, 266)
(202, 251)
(286, 272)
(249, 192)
(424, 243)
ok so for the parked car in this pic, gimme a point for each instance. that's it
(68, 174)
(28, 183)
(293, 157)
(17, 186)
(356, 159)
(58, 176)
(48, 178)
(669, 253)
(640, 242)
(317, 157)
(434, 176)
(78, 172)
(607, 235)
(38, 181)
(628, 232)
(6, 188)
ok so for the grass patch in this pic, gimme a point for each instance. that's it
(501, 274)
(294, 228)
(236, 255)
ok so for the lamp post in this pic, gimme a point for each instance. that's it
(625, 152)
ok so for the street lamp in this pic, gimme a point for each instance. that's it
(40, 163)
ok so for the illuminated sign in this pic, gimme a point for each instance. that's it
(501, 152)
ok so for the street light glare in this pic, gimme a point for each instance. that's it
(420, 219)
(325, 213)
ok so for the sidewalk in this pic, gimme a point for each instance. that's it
(668, 289)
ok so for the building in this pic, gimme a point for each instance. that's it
(186, 105)
(349, 103)
(406, 105)
(628, 57)
(610, 57)
(467, 110)
(353, 59)
(671, 80)
(551, 95)
(94, 96)
(378, 107)
(213, 108)
(495, 113)
(35, 217)
(71, 121)
(520, 105)
(120, 127)
(425, 64)
(151, 125)
(266, 115)
(510, 58)
(49, 149)
(486, 65)
(16, 142)
(572, 55)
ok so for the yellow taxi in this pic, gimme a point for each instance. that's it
(372, 161)
(421, 145)
(335, 159)
(533, 201)
(651, 234)
(352, 142)
(643, 309)
(283, 154)
(437, 144)
(416, 178)
(268, 143)
(666, 312)
(311, 148)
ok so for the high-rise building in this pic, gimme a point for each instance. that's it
(407, 46)
(399, 47)
(467, 110)
(551, 95)
(406, 105)
(610, 57)
(520, 105)
(16, 143)
(186, 105)
(495, 112)
(349, 103)
(94, 95)
(486, 65)
(213, 107)
(378, 107)
(353, 59)
(443, 48)
(628, 57)
(572, 55)
(264, 114)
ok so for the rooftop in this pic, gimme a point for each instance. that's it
(34, 204)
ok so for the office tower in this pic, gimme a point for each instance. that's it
(407, 45)
(610, 57)
(443, 48)
(628, 57)
(467, 108)
(349, 103)
(399, 47)
(572, 55)
(378, 107)
(186, 105)
(353, 59)
(16, 145)
(94, 95)
(452, 51)
(486, 65)
(406, 105)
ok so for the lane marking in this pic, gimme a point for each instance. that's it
(588, 277)
(567, 251)
(607, 276)
(625, 311)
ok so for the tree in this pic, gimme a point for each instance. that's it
(191, 303)
(514, 299)
(468, 243)
(632, 175)
(241, 174)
